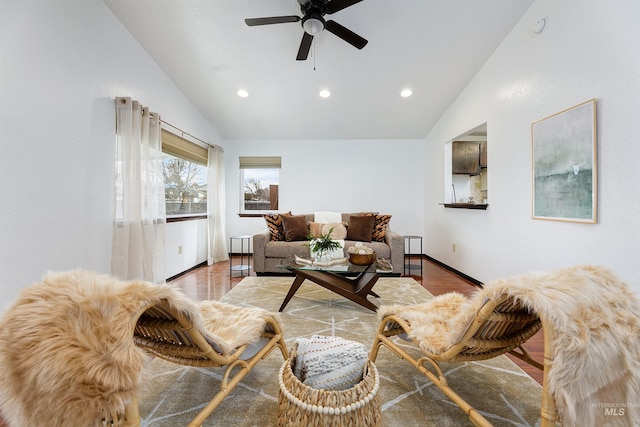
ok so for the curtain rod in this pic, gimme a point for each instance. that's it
(189, 135)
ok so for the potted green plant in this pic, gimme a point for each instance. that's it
(323, 245)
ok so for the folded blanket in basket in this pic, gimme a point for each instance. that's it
(330, 363)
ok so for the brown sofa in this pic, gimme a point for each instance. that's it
(268, 254)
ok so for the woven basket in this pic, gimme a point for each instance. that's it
(301, 405)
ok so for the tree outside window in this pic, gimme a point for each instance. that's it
(259, 177)
(185, 186)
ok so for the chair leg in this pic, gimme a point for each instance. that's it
(439, 380)
(225, 389)
(548, 410)
(373, 354)
(229, 382)
(131, 414)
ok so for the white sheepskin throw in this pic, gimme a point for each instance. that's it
(67, 356)
(596, 320)
(437, 324)
(230, 326)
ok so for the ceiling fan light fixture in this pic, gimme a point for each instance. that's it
(324, 93)
(242, 93)
(406, 93)
(313, 24)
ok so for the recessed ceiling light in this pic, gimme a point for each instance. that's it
(242, 93)
(324, 93)
(406, 93)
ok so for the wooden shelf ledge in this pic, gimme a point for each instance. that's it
(481, 206)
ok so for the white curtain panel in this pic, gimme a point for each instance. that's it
(216, 207)
(140, 213)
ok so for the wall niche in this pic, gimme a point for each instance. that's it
(466, 170)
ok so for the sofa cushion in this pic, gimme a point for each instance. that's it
(295, 228)
(360, 228)
(315, 229)
(380, 227)
(338, 230)
(274, 224)
(286, 249)
(347, 216)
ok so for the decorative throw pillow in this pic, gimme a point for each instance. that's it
(274, 223)
(360, 228)
(338, 230)
(315, 229)
(295, 227)
(362, 213)
(380, 227)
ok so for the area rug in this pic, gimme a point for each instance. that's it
(500, 390)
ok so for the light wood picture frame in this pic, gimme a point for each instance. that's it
(564, 160)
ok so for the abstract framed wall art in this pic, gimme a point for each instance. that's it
(564, 154)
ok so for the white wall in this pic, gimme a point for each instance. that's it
(186, 245)
(64, 62)
(343, 176)
(589, 49)
(62, 65)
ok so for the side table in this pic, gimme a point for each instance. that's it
(407, 254)
(244, 252)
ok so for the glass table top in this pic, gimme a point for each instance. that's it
(344, 266)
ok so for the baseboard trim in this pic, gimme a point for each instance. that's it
(202, 264)
(453, 270)
(427, 257)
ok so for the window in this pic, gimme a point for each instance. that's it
(259, 180)
(184, 168)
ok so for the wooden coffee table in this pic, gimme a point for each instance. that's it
(336, 278)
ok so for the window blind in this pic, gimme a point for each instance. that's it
(260, 162)
(179, 147)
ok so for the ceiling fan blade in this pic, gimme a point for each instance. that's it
(305, 46)
(346, 34)
(271, 20)
(333, 6)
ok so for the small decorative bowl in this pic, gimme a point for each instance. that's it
(360, 259)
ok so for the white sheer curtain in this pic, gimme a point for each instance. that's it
(216, 207)
(140, 213)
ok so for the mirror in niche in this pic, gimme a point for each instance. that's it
(466, 168)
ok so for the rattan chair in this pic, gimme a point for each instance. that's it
(170, 334)
(67, 357)
(499, 326)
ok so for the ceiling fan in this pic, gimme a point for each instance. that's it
(314, 23)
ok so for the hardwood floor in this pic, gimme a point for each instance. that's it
(213, 282)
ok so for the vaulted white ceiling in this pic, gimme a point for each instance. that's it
(434, 47)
